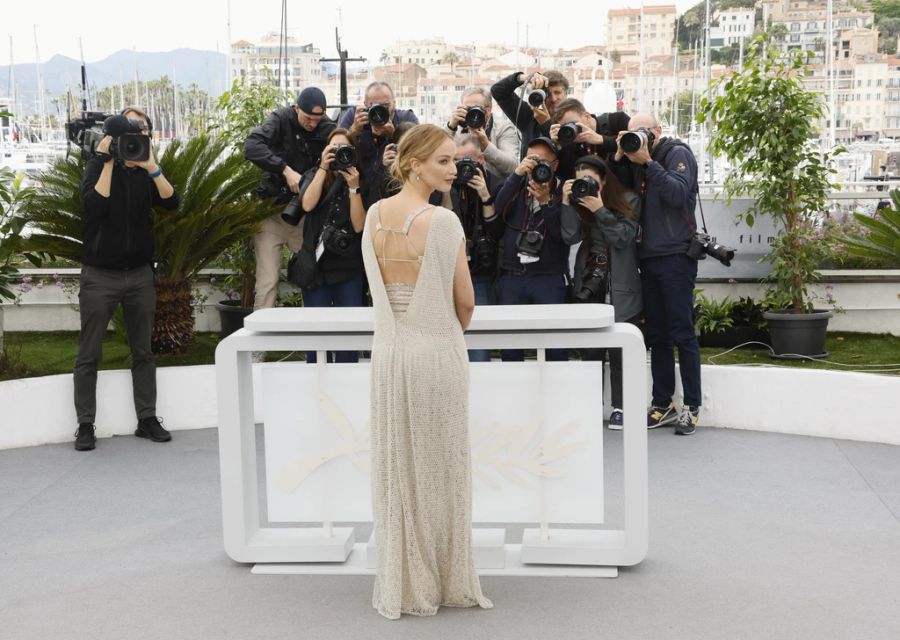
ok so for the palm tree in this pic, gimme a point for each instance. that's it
(216, 210)
(451, 59)
(879, 237)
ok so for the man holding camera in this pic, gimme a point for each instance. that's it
(535, 261)
(667, 174)
(117, 254)
(470, 198)
(373, 126)
(531, 118)
(579, 133)
(497, 140)
(285, 146)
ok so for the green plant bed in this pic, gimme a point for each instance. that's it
(855, 349)
(44, 354)
(47, 354)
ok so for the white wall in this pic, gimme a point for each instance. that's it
(852, 406)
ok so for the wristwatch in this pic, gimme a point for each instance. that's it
(488, 202)
(104, 157)
(353, 190)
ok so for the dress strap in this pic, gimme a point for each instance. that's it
(415, 214)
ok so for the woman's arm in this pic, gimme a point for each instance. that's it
(463, 291)
(311, 190)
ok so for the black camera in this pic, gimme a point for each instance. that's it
(485, 254)
(594, 281)
(344, 157)
(542, 172)
(379, 114)
(567, 133)
(466, 169)
(292, 211)
(337, 240)
(475, 117)
(530, 242)
(584, 186)
(129, 140)
(703, 245)
(536, 97)
(634, 140)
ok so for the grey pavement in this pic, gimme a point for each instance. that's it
(752, 535)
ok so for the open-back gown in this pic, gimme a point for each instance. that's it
(421, 470)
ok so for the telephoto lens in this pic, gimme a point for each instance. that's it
(542, 172)
(292, 212)
(536, 97)
(584, 186)
(567, 133)
(475, 117)
(634, 140)
(379, 114)
(466, 169)
(344, 157)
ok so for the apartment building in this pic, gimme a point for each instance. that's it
(649, 30)
(732, 25)
(259, 61)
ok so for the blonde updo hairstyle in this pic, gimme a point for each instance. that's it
(419, 143)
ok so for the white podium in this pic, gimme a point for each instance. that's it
(335, 476)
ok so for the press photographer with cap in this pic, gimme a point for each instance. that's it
(535, 261)
(117, 257)
(666, 171)
(285, 146)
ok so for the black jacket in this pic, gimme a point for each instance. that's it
(280, 141)
(518, 111)
(117, 231)
(333, 207)
(513, 216)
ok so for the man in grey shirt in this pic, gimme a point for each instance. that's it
(498, 139)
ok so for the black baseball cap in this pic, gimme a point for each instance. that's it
(547, 142)
(310, 98)
(595, 163)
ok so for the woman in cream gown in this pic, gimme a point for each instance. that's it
(421, 473)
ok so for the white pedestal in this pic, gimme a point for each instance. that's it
(306, 544)
(489, 547)
(570, 546)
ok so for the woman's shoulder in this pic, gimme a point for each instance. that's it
(446, 218)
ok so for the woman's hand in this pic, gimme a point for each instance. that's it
(327, 157)
(567, 191)
(351, 175)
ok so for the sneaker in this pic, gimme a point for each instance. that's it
(85, 440)
(687, 421)
(661, 416)
(616, 419)
(152, 428)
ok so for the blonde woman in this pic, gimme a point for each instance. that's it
(415, 261)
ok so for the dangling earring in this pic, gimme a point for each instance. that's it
(418, 178)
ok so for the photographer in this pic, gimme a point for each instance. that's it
(117, 254)
(497, 140)
(579, 133)
(329, 268)
(603, 215)
(374, 126)
(287, 144)
(535, 257)
(470, 198)
(667, 172)
(531, 118)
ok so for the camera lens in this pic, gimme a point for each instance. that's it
(475, 117)
(632, 141)
(542, 173)
(465, 170)
(133, 146)
(567, 133)
(536, 97)
(585, 186)
(292, 212)
(379, 115)
(344, 156)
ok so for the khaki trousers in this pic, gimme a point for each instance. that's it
(273, 234)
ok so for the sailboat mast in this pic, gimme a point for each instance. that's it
(40, 87)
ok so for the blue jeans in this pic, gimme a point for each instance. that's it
(668, 285)
(484, 295)
(342, 294)
(532, 289)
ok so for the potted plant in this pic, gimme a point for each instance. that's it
(765, 123)
(245, 106)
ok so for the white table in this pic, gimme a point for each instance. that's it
(543, 551)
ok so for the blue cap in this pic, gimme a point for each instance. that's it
(309, 98)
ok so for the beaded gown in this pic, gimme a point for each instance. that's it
(421, 467)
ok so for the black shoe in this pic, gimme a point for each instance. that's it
(152, 428)
(85, 440)
(687, 421)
